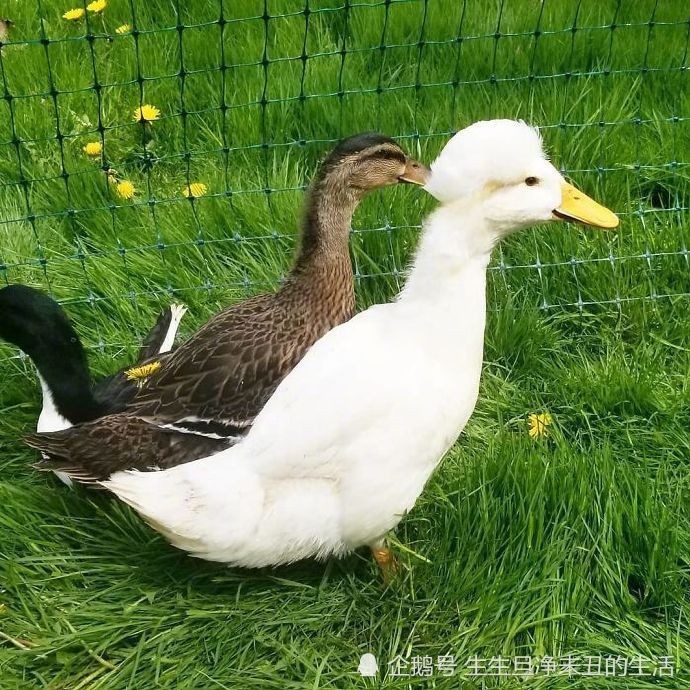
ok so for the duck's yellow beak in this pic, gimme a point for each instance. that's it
(415, 173)
(577, 207)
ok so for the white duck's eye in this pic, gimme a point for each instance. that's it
(531, 181)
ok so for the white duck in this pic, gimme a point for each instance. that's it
(345, 445)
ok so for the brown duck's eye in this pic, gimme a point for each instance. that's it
(531, 181)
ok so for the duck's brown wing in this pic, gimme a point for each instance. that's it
(116, 392)
(93, 451)
(218, 381)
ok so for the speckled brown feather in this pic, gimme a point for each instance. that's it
(130, 440)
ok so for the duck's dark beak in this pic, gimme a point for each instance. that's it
(577, 207)
(415, 173)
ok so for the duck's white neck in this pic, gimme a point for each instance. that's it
(50, 419)
(452, 258)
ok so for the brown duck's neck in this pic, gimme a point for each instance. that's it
(324, 244)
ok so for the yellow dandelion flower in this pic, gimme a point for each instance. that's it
(93, 148)
(125, 189)
(123, 29)
(97, 6)
(142, 373)
(146, 113)
(538, 424)
(74, 15)
(195, 189)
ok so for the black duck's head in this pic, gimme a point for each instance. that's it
(368, 161)
(38, 326)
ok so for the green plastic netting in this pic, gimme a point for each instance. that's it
(250, 93)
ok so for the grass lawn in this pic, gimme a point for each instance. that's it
(575, 543)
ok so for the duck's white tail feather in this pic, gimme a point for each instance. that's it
(212, 504)
(221, 509)
(177, 311)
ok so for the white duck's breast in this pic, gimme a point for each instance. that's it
(388, 467)
(365, 484)
(387, 411)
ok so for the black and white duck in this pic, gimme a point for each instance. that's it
(39, 326)
(205, 395)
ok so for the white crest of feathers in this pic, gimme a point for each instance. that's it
(468, 161)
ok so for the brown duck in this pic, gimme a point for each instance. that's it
(205, 395)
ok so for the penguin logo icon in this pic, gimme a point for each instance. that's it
(368, 668)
